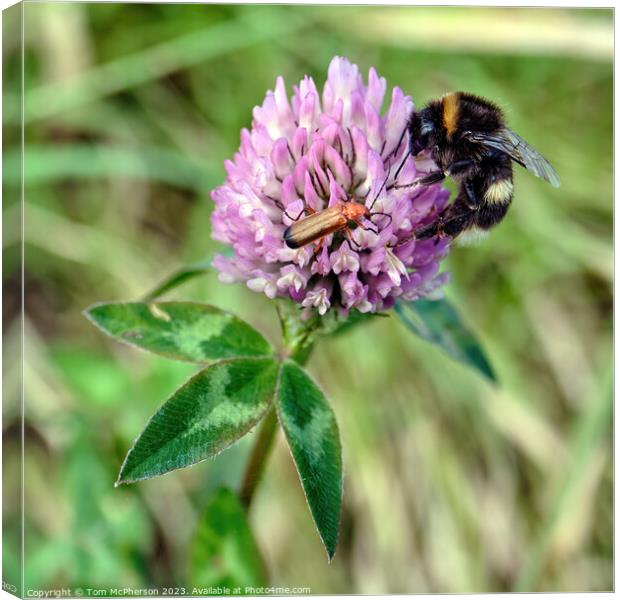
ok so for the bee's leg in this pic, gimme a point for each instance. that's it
(438, 230)
(459, 216)
(444, 227)
(468, 186)
(430, 231)
(431, 178)
(459, 222)
(453, 220)
(458, 167)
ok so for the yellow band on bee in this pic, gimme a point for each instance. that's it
(499, 191)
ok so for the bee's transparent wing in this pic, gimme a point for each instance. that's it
(520, 151)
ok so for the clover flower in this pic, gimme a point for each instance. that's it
(312, 153)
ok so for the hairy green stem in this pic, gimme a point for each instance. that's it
(297, 336)
(258, 457)
(297, 341)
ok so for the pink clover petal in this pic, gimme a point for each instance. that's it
(311, 152)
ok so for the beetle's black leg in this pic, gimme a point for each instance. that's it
(348, 239)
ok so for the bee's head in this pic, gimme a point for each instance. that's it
(422, 131)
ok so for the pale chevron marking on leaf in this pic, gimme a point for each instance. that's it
(211, 411)
(158, 313)
(312, 435)
(180, 330)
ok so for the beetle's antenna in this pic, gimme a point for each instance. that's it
(302, 212)
(377, 212)
(367, 228)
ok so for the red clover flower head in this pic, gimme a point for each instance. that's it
(319, 151)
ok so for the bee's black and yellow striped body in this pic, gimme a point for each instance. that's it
(491, 189)
(469, 141)
(494, 186)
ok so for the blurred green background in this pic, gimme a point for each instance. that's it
(451, 485)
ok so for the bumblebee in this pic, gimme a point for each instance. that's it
(469, 141)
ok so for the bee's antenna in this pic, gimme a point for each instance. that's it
(381, 188)
(402, 164)
(400, 141)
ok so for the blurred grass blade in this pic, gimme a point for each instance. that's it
(224, 552)
(50, 164)
(536, 32)
(178, 278)
(207, 414)
(153, 63)
(185, 331)
(312, 434)
(589, 436)
(438, 322)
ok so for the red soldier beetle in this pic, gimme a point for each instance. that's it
(343, 216)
